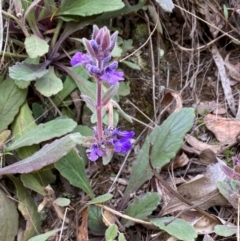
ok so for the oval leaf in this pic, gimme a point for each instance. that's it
(62, 202)
(35, 46)
(49, 84)
(27, 72)
(101, 199)
(111, 232)
(178, 228)
(141, 207)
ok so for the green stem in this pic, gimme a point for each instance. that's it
(56, 32)
(8, 54)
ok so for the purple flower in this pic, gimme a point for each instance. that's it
(111, 75)
(122, 145)
(125, 134)
(80, 58)
(94, 152)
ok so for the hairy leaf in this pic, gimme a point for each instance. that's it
(8, 218)
(141, 207)
(178, 228)
(72, 168)
(88, 7)
(35, 46)
(44, 132)
(166, 140)
(49, 84)
(49, 154)
(11, 98)
(27, 72)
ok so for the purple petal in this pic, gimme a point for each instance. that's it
(95, 31)
(93, 153)
(125, 134)
(92, 69)
(89, 48)
(122, 145)
(113, 41)
(80, 58)
(112, 76)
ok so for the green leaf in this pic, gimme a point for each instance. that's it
(62, 202)
(95, 222)
(110, 93)
(23, 123)
(132, 65)
(178, 228)
(68, 86)
(111, 232)
(49, 84)
(49, 154)
(101, 199)
(141, 207)
(88, 7)
(32, 183)
(44, 132)
(166, 140)
(44, 176)
(8, 218)
(27, 72)
(225, 230)
(11, 98)
(35, 46)
(124, 89)
(121, 237)
(72, 168)
(28, 209)
(45, 236)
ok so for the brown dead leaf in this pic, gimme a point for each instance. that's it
(224, 78)
(209, 106)
(226, 130)
(108, 218)
(207, 157)
(205, 225)
(172, 101)
(202, 191)
(75, 95)
(83, 228)
(179, 161)
(200, 146)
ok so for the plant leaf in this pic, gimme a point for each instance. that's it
(49, 154)
(62, 202)
(44, 132)
(8, 218)
(28, 208)
(141, 207)
(110, 93)
(49, 84)
(88, 7)
(111, 232)
(225, 230)
(101, 199)
(35, 46)
(166, 140)
(23, 123)
(178, 228)
(32, 183)
(95, 222)
(11, 98)
(72, 168)
(44, 236)
(121, 237)
(28, 72)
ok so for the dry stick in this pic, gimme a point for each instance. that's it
(176, 194)
(153, 70)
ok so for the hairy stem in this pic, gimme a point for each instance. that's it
(99, 110)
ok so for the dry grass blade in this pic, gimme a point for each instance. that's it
(224, 78)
